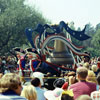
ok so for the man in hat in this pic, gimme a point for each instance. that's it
(20, 53)
(33, 56)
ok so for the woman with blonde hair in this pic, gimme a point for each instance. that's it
(86, 65)
(29, 92)
(91, 77)
(94, 69)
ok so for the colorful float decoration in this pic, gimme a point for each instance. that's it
(55, 48)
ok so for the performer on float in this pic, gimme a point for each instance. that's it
(34, 62)
(20, 53)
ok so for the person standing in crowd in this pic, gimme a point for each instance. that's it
(94, 68)
(10, 87)
(34, 59)
(98, 64)
(86, 65)
(67, 95)
(82, 87)
(20, 53)
(72, 78)
(95, 95)
(91, 77)
(37, 84)
(29, 92)
(40, 76)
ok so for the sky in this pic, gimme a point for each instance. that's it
(81, 12)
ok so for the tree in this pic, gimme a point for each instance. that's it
(15, 16)
(98, 26)
(96, 40)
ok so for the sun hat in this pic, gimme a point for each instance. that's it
(53, 94)
(38, 75)
(59, 82)
(69, 92)
(65, 85)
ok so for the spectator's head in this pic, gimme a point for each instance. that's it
(72, 78)
(36, 82)
(82, 73)
(39, 75)
(67, 95)
(86, 65)
(59, 82)
(10, 81)
(29, 92)
(91, 77)
(71, 74)
(94, 68)
(84, 97)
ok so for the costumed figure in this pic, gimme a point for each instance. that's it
(20, 53)
(34, 62)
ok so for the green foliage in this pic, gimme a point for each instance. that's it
(96, 39)
(94, 44)
(93, 52)
(15, 16)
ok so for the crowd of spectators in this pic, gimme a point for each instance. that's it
(84, 84)
(8, 64)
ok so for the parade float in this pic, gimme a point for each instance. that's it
(55, 48)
